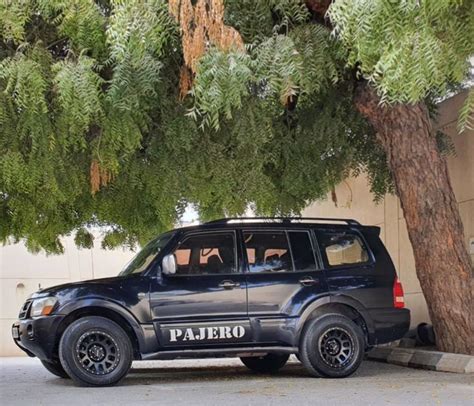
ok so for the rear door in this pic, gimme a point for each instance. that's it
(205, 302)
(283, 276)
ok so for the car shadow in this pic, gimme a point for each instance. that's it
(219, 373)
(209, 373)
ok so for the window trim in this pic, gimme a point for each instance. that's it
(322, 250)
(317, 263)
(185, 236)
(317, 249)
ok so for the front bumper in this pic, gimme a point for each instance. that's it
(37, 337)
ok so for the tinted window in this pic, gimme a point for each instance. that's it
(267, 251)
(343, 249)
(302, 250)
(205, 254)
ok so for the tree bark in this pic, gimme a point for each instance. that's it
(432, 215)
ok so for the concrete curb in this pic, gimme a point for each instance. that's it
(416, 358)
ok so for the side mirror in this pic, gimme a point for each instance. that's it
(169, 265)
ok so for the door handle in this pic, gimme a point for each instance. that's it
(308, 281)
(229, 284)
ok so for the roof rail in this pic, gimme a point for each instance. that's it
(283, 220)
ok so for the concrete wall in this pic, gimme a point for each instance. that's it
(354, 200)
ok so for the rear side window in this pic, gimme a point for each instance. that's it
(302, 250)
(268, 251)
(343, 249)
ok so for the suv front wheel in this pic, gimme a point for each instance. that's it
(95, 351)
(265, 364)
(332, 346)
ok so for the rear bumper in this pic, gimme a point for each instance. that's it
(37, 337)
(389, 325)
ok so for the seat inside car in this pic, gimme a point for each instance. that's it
(214, 264)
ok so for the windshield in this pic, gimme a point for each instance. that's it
(144, 257)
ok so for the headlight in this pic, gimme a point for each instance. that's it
(43, 306)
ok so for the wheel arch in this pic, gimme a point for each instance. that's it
(337, 304)
(96, 308)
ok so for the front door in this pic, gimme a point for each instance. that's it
(205, 302)
(283, 277)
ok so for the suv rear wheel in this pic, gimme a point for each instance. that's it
(265, 364)
(95, 351)
(332, 346)
(55, 368)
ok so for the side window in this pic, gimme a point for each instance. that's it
(267, 251)
(343, 249)
(206, 254)
(302, 250)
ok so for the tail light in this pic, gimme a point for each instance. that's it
(398, 299)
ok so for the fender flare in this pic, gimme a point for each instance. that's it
(110, 305)
(328, 300)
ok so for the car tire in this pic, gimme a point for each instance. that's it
(266, 364)
(332, 346)
(55, 368)
(95, 351)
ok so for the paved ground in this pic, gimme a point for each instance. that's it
(225, 382)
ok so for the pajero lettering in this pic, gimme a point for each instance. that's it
(206, 333)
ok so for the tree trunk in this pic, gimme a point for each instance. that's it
(432, 216)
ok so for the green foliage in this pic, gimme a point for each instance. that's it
(84, 239)
(77, 86)
(134, 83)
(258, 19)
(79, 80)
(322, 58)
(89, 94)
(137, 28)
(280, 67)
(301, 65)
(25, 84)
(222, 83)
(252, 18)
(407, 49)
(466, 115)
(14, 17)
(80, 21)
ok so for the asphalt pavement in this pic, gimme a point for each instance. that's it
(24, 381)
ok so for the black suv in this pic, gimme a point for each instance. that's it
(257, 288)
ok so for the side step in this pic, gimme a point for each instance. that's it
(218, 352)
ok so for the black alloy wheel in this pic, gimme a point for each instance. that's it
(336, 347)
(95, 351)
(331, 346)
